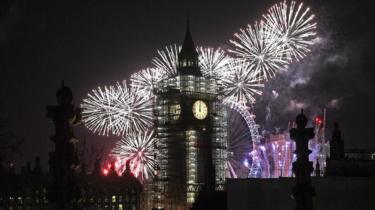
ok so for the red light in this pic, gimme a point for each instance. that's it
(318, 121)
(105, 172)
(117, 164)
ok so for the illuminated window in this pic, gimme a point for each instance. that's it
(113, 199)
(175, 111)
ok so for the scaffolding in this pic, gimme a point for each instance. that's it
(179, 159)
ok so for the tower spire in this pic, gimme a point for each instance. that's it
(188, 45)
(188, 56)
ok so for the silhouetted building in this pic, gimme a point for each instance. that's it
(28, 190)
(336, 144)
(62, 188)
(360, 154)
(354, 162)
(111, 191)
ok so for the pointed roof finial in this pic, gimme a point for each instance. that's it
(188, 45)
(187, 22)
(188, 55)
(64, 95)
(301, 120)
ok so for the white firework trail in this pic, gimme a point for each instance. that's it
(117, 110)
(294, 27)
(256, 47)
(241, 85)
(166, 61)
(213, 62)
(139, 149)
(145, 80)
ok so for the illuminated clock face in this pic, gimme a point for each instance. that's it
(200, 110)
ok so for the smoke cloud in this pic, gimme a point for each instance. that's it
(337, 75)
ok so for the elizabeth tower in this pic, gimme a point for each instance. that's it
(191, 127)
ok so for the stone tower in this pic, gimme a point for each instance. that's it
(191, 128)
(336, 144)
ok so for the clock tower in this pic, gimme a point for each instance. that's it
(191, 127)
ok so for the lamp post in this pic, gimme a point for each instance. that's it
(302, 191)
(63, 161)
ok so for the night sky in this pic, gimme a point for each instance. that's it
(92, 43)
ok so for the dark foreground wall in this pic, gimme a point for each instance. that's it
(333, 193)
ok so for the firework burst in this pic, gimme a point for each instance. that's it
(213, 63)
(139, 149)
(166, 61)
(145, 80)
(294, 27)
(240, 84)
(117, 110)
(256, 47)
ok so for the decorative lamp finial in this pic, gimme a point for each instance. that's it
(64, 95)
(301, 120)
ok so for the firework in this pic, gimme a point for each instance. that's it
(259, 52)
(294, 27)
(240, 84)
(213, 63)
(138, 148)
(145, 80)
(166, 61)
(117, 110)
(256, 47)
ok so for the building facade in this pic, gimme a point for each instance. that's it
(29, 191)
(192, 130)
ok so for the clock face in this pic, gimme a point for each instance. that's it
(200, 110)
